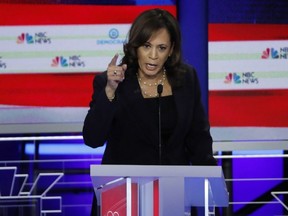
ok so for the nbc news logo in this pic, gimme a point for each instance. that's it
(272, 53)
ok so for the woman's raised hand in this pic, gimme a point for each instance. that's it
(115, 75)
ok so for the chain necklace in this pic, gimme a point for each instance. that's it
(144, 85)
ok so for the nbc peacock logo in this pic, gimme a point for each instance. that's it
(232, 78)
(272, 53)
(59, 61)
(25, 38)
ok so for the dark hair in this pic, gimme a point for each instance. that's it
(143, 27)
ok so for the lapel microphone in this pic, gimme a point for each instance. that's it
(159, 91)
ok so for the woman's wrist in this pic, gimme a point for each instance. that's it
(111, 98)
(110, 94)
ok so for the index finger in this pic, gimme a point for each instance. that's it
(114, 60)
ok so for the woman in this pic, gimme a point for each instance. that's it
(124, 108)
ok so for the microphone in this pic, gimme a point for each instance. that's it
(159, 91)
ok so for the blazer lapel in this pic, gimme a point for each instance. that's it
(183, 101)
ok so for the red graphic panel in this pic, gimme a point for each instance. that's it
(114, 201)
(249, 108)
(43, 14)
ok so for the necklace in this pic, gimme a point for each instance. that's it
(146, 87)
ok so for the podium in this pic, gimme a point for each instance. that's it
(148, 190)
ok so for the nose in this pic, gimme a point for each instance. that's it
(153, 53)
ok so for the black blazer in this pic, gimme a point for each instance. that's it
(131, 137)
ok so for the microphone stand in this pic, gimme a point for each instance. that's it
(159, 91)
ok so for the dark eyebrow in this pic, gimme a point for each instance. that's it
(147, 42)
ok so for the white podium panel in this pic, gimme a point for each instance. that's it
(158, 190)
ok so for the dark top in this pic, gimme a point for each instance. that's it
(131, 136)
(168, 119)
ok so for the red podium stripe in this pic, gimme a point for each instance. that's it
(156, 198)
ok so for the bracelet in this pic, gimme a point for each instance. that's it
(111, 98)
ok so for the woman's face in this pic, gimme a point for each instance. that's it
(154, 53)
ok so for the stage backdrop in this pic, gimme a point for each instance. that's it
(248, 69)
(49, 55)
